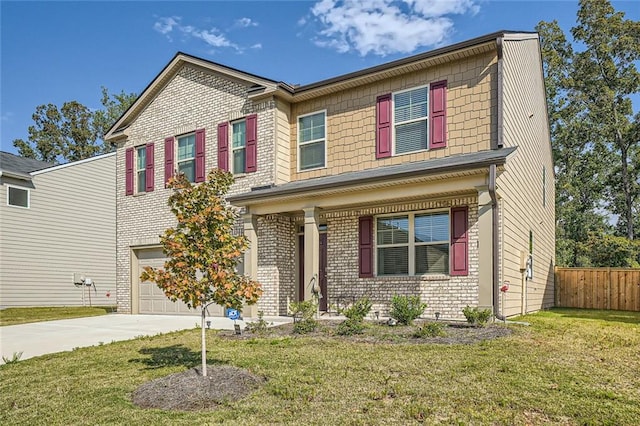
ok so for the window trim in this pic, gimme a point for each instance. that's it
(394, 124)
(231, 149)
(299, 159)
(28, 206)
(137, 189)
(176, 151)
(411, 242)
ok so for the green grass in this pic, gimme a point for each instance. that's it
(15, 316)
(568, 367)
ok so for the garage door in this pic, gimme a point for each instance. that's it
(152, 300)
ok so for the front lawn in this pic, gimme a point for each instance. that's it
(568, 367)
(15, 316)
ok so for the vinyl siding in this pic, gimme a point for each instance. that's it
(283, 114)
(69, 228)
(521, 186)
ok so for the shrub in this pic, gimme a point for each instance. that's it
(259, 327)
(350, 326)
(359, 310)
(406, 308)
(303, 316)
(477, 316)
(430, 329)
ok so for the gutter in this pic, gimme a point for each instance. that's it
(495, 237)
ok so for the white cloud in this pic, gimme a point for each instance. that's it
(257, 46)
(384, 27)
(213, 36)
(6, 116)
(246, 22)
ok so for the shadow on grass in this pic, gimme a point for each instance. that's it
(629, 317)
(171, 356)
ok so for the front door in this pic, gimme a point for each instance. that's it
(322, 279)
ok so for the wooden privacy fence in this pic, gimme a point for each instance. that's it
(598, 288)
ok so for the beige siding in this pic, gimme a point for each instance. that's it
(351, 117)
(283, 137)
(68, 228)
(521, 186)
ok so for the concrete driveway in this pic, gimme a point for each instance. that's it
(64, 335)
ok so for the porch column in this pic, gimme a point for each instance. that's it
(251, 257)
(485, 250)
(311, 249)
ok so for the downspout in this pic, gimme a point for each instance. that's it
(495, 236)
(494, 242)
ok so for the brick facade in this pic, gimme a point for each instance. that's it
(193, 99)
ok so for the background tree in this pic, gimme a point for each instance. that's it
(72, 132)
(593, 130)
(202, 250)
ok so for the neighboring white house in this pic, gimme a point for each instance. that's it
(57, 225)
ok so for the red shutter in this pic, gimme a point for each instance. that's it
(223, 146)
(169, 151)
(383, 126)
(459, 241)
(200, 166)
(438, 115)
(251, 144)
(365, 252)
(148, 169)
(128, 159)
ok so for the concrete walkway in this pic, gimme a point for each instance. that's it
(46, 337)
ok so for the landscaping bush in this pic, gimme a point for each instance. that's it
(405, 309)
(477, 316)
(430, 329)
(303, 316)
(259, 327)
(350, 327)
(354, 324)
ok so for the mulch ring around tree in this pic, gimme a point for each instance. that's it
(190, 391)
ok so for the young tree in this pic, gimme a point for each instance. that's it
(202, 250)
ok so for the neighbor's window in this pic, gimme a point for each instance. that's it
(311, 141)
(413, 244)
(410, 120)
(141, 164)
(187, 156)
(17, 197)
(238, 146)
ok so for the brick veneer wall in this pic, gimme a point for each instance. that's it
(193, 99)
(442, 293)
(276, 263)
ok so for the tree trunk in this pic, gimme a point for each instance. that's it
(204, 343)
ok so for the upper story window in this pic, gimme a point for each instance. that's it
(410, 114)
(239, 146)
(312, 141)
(18, 197)
(413, 244)
(141, 168)
(187, 156)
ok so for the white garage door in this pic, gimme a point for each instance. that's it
(152, 299)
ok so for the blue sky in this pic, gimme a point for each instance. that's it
(52, 52)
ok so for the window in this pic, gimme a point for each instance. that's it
(187, 156)
(17, 197)
(311, 141)
(141, 168)
(410, 120)
(413, 244)
(238, 146)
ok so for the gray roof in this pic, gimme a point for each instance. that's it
(15, 164)
(453, 163)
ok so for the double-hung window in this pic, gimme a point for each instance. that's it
(239, 146)
(410, 113)
(141, 168)
(312, 140)
(413, 244)
(187, 156)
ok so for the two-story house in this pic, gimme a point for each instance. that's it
(57, 225)
(430, 175)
